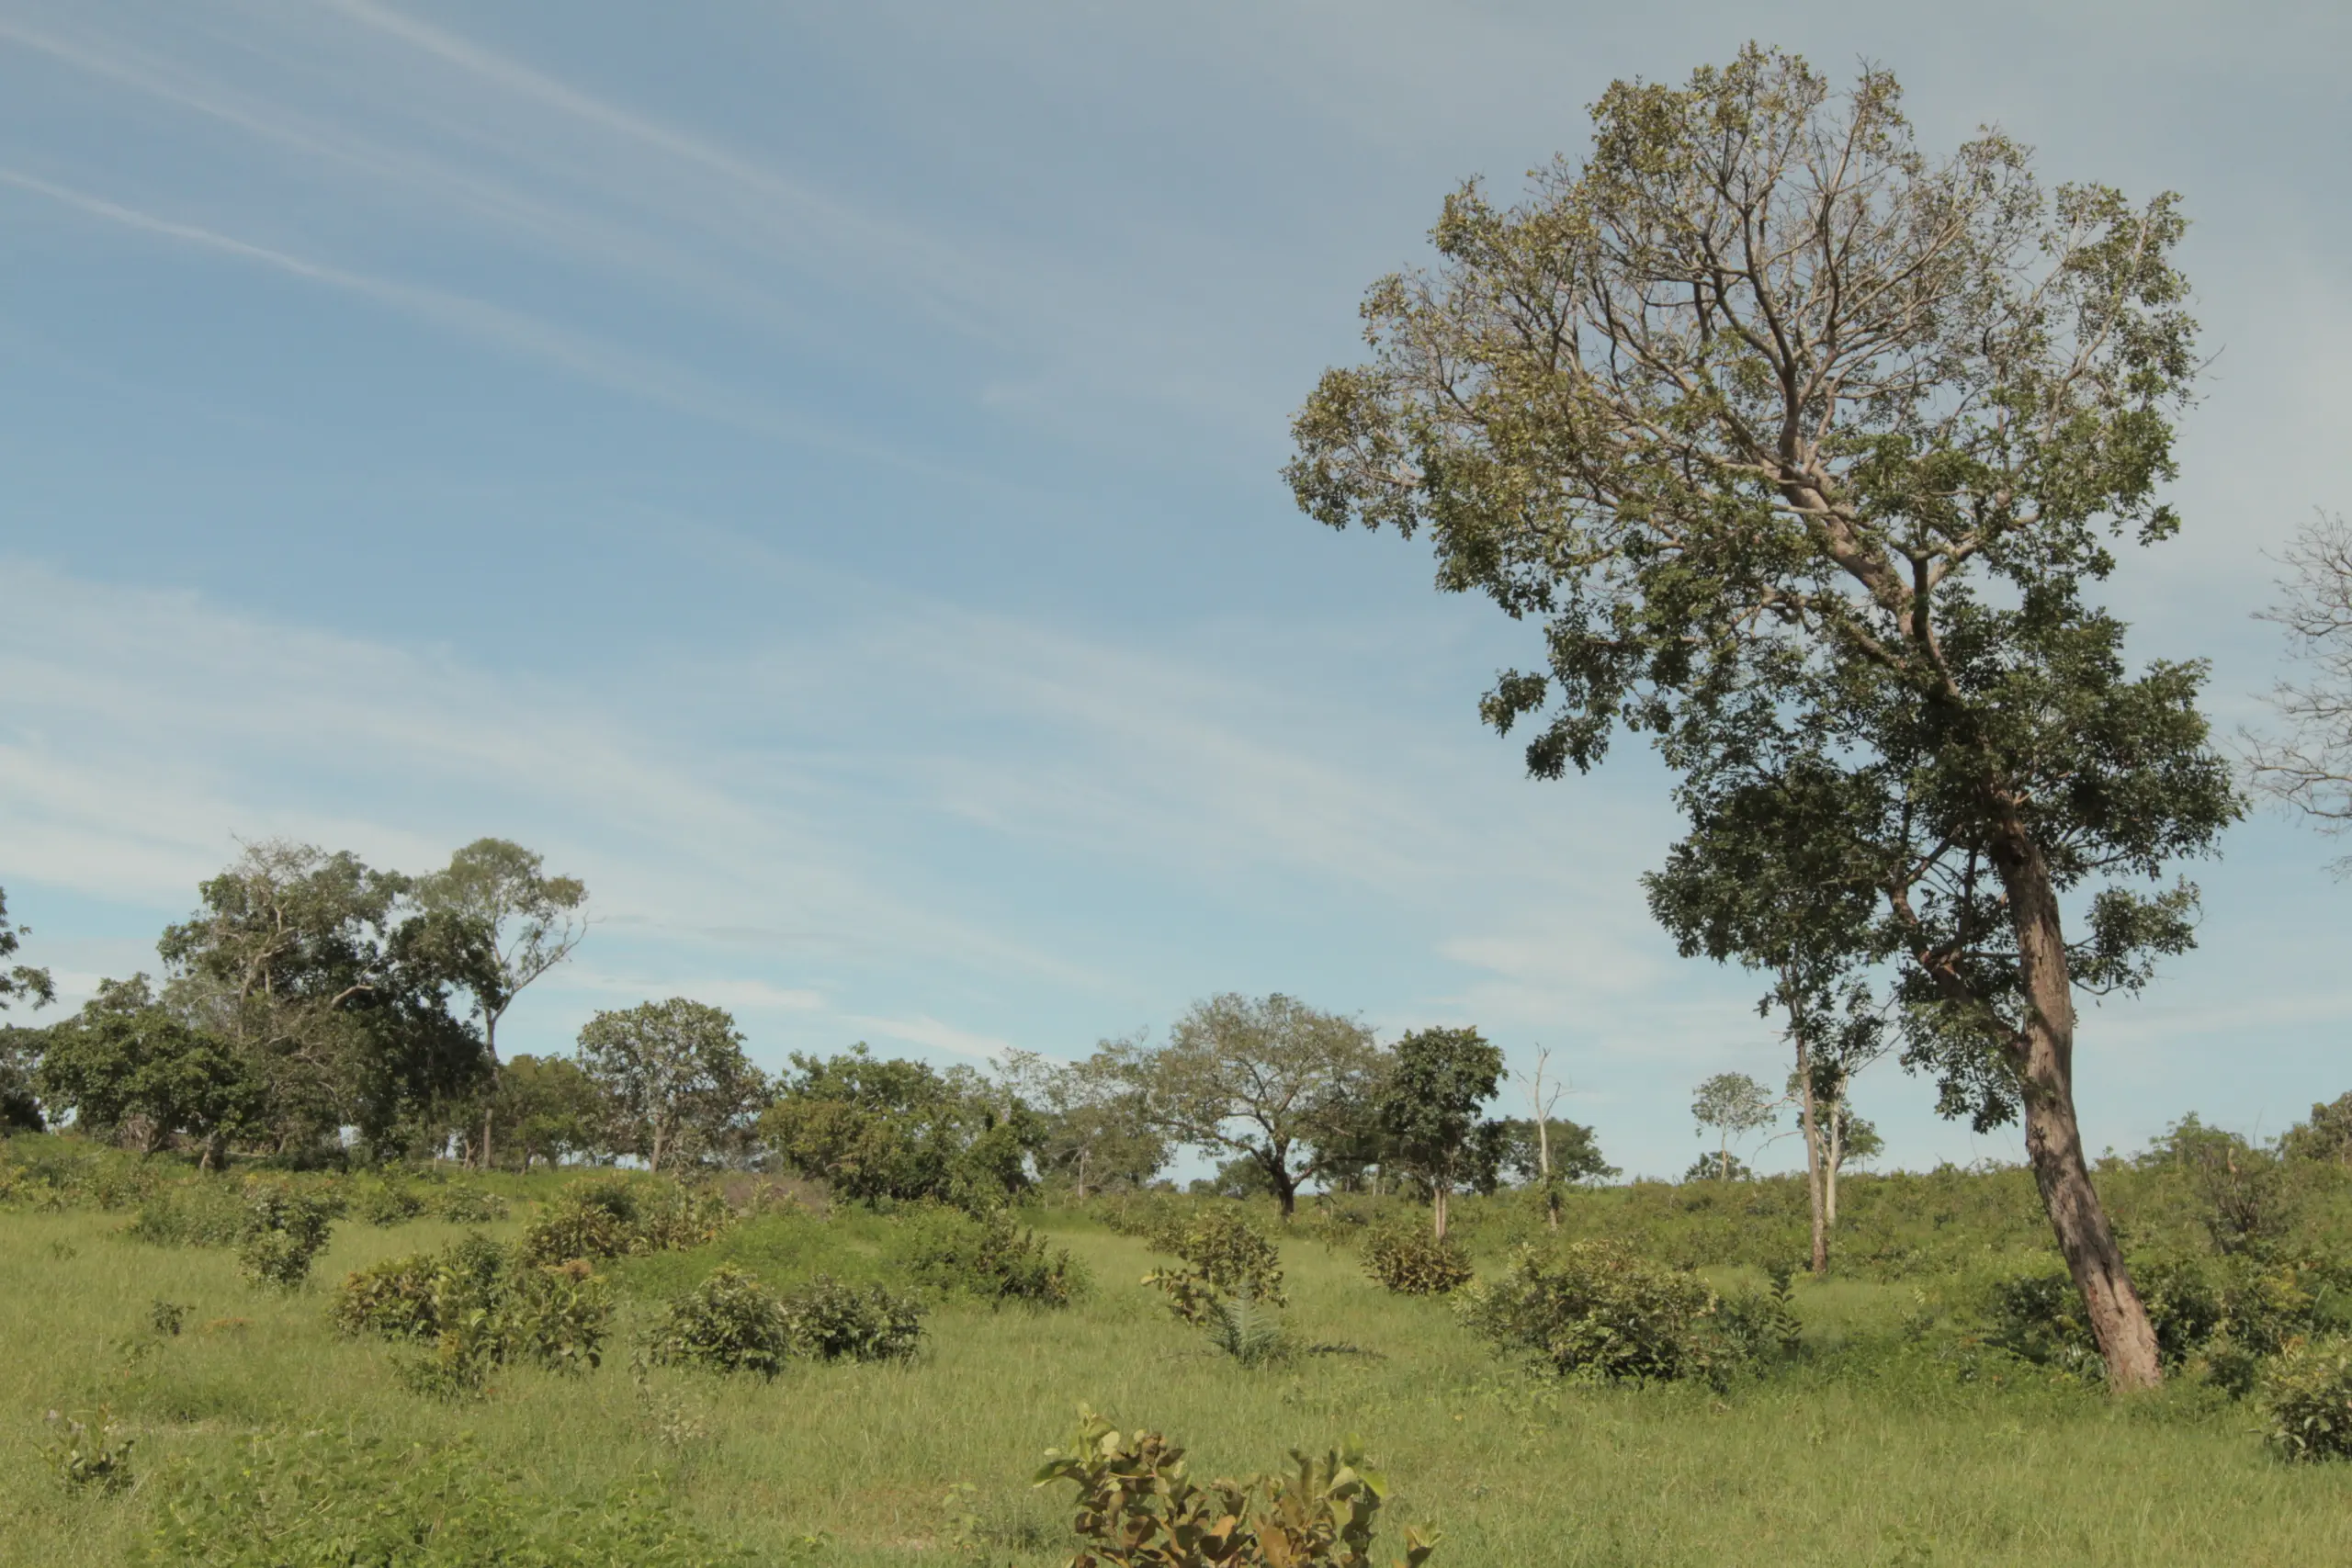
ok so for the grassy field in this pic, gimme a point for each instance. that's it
(1873, 1448)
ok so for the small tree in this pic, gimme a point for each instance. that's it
(1733, 1105)
(515, 924)
(1270, 1079)
(675, 1075)
(1428, 1107)
(875, 1127)
(550, 1108)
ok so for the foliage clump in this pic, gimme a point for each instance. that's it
(1409, 1261)
(479, 1305)
(602, 1217)
(733, 1323)
(1138, 1508)
(194, 1213)
(1225, 1257)
(1594, 1309)
(994, 1259)
(2307, 1391)
(284, 1228)
(89, 1456)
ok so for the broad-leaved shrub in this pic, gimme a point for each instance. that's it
(1410, 1261)
(1138, 1507)
(2307, 1392)
(1596, 1309)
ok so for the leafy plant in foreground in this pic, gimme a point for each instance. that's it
(1138, 1508)
(2308, 1391)
(89, 1455)
(1226, 1256)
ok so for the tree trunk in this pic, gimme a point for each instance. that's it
(1837, 1160)
(489, 1044)
(2043, 1057)
(1813, 1160)
(1437, 1211)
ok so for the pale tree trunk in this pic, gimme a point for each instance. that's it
(2043, 1057)
(490, 1043)
(1837, 1160)
(1813, 1160)
(1436, 1211)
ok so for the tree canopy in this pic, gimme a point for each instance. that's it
(674, 1078)
(1270, 1079)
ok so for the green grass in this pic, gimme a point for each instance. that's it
(1867, 1454)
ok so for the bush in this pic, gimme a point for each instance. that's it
(994, 1259)
(1227, 1256)
(730, 1323)
(1138, 1509)
(481, 1305)
(2308, 1393)
(593, 1217)
(599, 1217)
(829, 1321)
(89, 1456)
(1408, 1259)
(387, 1203)
(284, 1229)
(204, 1212)
(1595, 1309)
(1751, 1327)
(331, 1497)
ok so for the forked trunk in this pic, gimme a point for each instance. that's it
(2043, 1055)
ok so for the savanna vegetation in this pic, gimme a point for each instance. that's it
(1809, 452)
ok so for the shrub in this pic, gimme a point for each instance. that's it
(1138, 1509)
(1755, 1326)
(330, 1496)
(392, 1299)
(1250, 1334)
(205, 1213)
(1227, 1257)
(387, 1203)
(89, 1456)
(1408, 1259)
(994, 1259)
(1593, 1308)
(730, 1323)
(597, 1217)
(166, 1318)
(481, 1305)
(2308, 1393)
(284, 1229)
(593, 1218)
(830, 1321)
(559, 1317)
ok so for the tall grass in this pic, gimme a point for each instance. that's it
(1877, 1450)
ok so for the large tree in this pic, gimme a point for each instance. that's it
(510, 923)
(1427, 1105)
(125, 1065)
(1799, 442)
(1270, 1079)
(1094, 1121)
(675, 1076)
(21, 982)
(333, 985)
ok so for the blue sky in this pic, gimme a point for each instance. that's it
(811, 471)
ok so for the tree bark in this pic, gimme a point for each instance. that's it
(1813, 1154)
(1837, 1160)
(2043, 1057)
(1437, 1211)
